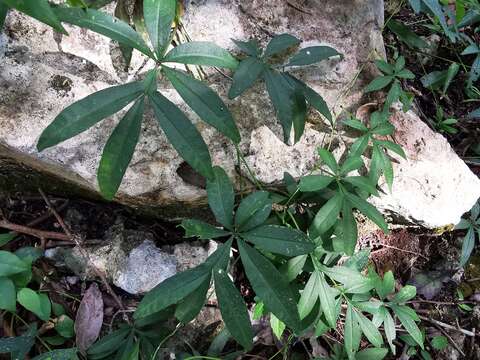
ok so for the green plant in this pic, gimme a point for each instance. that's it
(15, 277)
(392, 75)
(444, 125)
(288, 94)
(472, 225)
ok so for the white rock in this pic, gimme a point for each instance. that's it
(145, 267)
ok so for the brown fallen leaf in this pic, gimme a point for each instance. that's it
(89, 320)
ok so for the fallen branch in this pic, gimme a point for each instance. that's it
(40, 234)
(447, 326)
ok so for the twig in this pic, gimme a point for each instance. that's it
(439, 302)
(447, 326)
(40, 234)
(399, 249)
(46, 216)
(84, 253)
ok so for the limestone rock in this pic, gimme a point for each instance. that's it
(42, 72)
(131, 260)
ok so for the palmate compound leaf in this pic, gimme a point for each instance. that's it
(270, 286)
(404, 314)
(159, 16)
(352, 333)
(118, 151)
(88, 111)
(369, 210)
(309, 295)
(233, 309)
(327, 216)
(279, 240)
(205, 102)
(182, 134)
(104, 24)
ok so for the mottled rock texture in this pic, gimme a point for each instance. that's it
(42, 72)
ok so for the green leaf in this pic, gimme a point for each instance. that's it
(327, 301)
(172, 290)
(328, 159)
(37, 303)
(9, 296)
(328, 214)
(371, 354)
(474, 114)
(467, 246)
(109, 343)
(247, 73)
(19, 346)
(314, 182)
(434, 79)
(392, 147)
(59, 354)
(184, 136)
(405, 74)
(403, 314)
(293, 267)
(352, 333)
(220, 258)
(393, 94)
(270, 286)
(439, 342)
(384, 67)
(474, 74)
(221, 197)
(233, 309)
(11, 264)
(278, 327)
(312, 55)
(350, 231)
(406, 35)
(370, 211)
(350, 164)
(248, 47)
(119, 149)
(436, 9)
(253, 211)
(353, 280)
(390, 331)
(201, 53)
(369, 329)
(64, 326)
(280, 240)
(406, 293)
(85, 113)
(360, 145)
(159, 16)
(202, 230)
(451, 73)
(29, 254)
(309, 295)
(205, 102)
(192, 304)
(386, 285)
(104, 24)
(363, 183)
(379, 83)
(38, 9)
(355, 124)
(6, 238)
(287, 102)
(3, 14)
(280, 43)
(384, 128)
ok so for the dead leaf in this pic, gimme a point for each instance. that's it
(89, 320)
